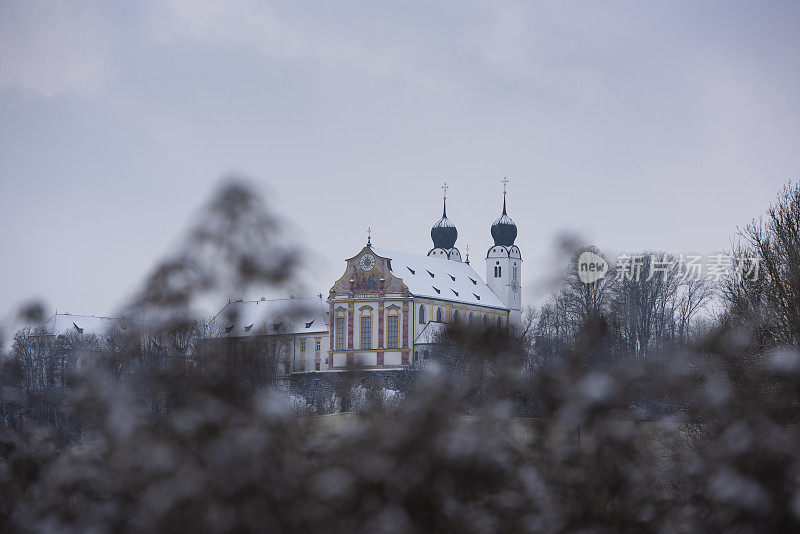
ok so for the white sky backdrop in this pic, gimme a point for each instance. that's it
(638, 124)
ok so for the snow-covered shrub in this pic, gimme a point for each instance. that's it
(182, 437)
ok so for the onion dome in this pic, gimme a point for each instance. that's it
(504, 231)
(444, 233)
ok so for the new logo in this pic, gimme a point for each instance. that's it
(591, 267)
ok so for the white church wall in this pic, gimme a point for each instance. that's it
(392, 358)
(365, 359)
(448, 310)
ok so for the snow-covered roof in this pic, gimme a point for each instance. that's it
(244, 318)
(67, 323)
(440, 279)
(431, 333)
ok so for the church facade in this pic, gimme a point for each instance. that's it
(388, 305)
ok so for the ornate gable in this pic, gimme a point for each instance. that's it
(370, 276)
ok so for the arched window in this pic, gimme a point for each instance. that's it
(455, 317)
(439, 318)
(340, 337)
(366, 331)
(392, 331)
(422, 314)
(499, 271)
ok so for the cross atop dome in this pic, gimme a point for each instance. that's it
(444, 233)
(504, 231)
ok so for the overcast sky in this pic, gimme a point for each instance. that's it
(658, 125)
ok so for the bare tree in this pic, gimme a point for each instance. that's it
(766, 289)
(693, 295)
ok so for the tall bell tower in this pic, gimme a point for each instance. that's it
(504, 264)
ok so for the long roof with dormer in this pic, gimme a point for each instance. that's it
(68, 323)
(245, 318)
(441, 279)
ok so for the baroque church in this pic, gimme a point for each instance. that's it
(387, 307)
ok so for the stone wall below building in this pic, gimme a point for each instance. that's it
(347, 391)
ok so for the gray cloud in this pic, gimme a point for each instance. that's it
(634, 124)
(50, 47)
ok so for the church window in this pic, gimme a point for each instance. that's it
(366, 332)
(303, 346)
(340, 341)
(439, 318)
(422, 315)
(391, 342)
(317, 345)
